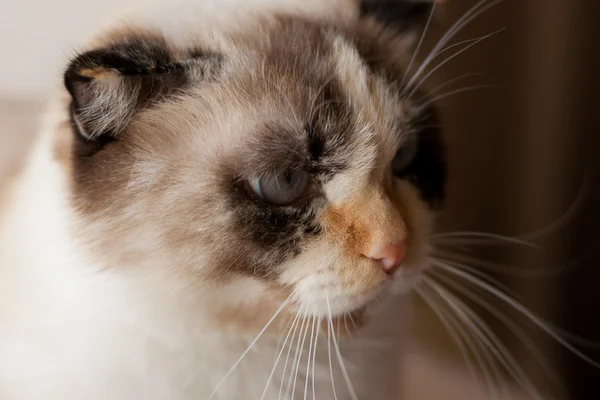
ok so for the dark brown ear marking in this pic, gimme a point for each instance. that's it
(399, 14)
(428, 171)
(108, 85)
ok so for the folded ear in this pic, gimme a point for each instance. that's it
(404, 15)
(110, 84)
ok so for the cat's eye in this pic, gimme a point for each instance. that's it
(282, 189)
(405, 156)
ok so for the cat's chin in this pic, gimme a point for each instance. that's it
(346, 324)
(329, 303)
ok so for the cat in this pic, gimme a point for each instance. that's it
(228, 200)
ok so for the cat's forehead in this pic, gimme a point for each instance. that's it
(295, 95)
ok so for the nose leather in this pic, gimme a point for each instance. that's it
(390, 256)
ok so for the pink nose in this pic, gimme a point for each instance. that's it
(390, 256)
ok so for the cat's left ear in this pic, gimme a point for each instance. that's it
(402, 15)
(110, 84)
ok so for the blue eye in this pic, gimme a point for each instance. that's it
(405, 156)
(283, 189)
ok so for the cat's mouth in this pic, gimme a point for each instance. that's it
(342, 312)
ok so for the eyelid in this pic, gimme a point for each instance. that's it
(313, 190)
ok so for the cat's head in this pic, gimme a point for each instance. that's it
(284, 158)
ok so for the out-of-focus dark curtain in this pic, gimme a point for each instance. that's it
(525, 157)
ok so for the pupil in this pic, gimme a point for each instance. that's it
(288, 177)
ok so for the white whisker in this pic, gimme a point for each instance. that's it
(296, 356)
(339, 356)
(299, 360)
(487, 336)
(288, 355)
(421, 39)
(484, 235)
(454, 92)
(308, 358)
(447, 60)
(469, 16)
(566, 217)
(351, 318)
(479, 274)
(249, 347)
(329, 325)
(450, 82)
(353, 323)
(480, 346)
(346, 325)
(510, 324)
(314, 358)
(452, 329)
(294, 322)
(511, 270)
(450, 47)
(525, 238)
(546, 327)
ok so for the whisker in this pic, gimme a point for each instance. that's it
(351, 320)
(314, 358)
(566, 217)
(285, 302)
(346, 325)
(489, 338)
(454, 92)
(286, 328)
(463, 21)
(450, 82)
(287, 358)
(447, 60)
(511, 270)
(308, 360)
(450, 47)
(339, 355)
(329, 325)
(484, 235)
(354, 326)
(479, 274)
(299, 360)
(525, 238)
(546, 327)
(289, 384)
(452, 329)
(505, 319)
(480, 350)
(421, 39)
(280, 353)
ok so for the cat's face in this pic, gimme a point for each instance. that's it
(286, 159)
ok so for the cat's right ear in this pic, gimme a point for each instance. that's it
(109, 85)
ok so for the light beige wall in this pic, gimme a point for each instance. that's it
(37, 36)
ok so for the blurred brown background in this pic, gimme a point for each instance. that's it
(519, 154)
